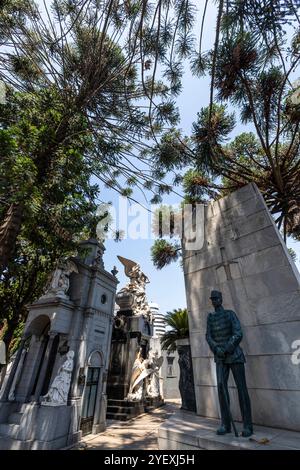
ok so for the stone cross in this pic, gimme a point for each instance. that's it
(226, 264)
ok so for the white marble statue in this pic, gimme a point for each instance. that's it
(137, 287)
(60, 283)
(140, 371)
(154, 365)
(136, 386)
(59, 389)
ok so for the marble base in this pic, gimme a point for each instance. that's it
(187, 431)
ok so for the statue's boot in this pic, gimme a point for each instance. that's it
(247, 431)
(223, 430)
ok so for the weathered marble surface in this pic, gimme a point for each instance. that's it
(185, 431)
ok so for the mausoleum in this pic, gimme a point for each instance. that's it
(55, 389)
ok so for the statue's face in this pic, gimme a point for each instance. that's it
(216, 301)
(70, 354)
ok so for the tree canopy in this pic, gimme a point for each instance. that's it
(177, 320)
(253, 71)
(90, 92)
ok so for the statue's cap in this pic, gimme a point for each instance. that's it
(215, 293)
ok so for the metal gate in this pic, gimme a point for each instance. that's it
(89, 400)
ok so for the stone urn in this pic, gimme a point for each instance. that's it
(186, 380)
(125, 299)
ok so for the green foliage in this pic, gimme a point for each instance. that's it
(77, 106)
(49, 180)
(177, 320)
(211, 129)
(164, 252)
(293, 254)
(251, 68)
(197, 187)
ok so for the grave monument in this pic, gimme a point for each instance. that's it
(55, 389)
(133, 379)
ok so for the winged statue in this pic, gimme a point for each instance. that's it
(136, 286)
(133, 270)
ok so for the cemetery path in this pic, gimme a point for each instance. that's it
(138, 433)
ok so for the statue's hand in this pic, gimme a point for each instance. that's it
(229, 349)
(220, 352)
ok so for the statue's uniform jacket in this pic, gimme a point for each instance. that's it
(224, 330)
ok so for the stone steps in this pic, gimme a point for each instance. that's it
(121, 409)
(118, 416)
(123, 403)
(14, 444)
(9, 430)
(15, 418)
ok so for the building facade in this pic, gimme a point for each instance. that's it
(55, 390)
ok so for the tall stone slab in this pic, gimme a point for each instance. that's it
(245, 258)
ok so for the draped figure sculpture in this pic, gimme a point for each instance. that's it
(59, 281)
(145, 370)
(154, 365)
(136, 382)
(59, 389)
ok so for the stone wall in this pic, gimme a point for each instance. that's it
(170, 376)
(245, 258)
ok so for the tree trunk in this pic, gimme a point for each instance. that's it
(9, 230)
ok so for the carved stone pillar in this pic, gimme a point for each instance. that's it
(7, 386)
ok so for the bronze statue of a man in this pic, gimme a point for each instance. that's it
(223, 334)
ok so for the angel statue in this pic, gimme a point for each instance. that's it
(154, 365)
(59, 389)
(59, 282)
(137, 286)
(137, 379)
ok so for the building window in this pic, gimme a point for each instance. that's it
(170, 366)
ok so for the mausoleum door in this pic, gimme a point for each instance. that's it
(89, 400)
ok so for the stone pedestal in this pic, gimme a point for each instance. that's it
(186, 431)
(129, 334)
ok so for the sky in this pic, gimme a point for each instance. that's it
(166, 286)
